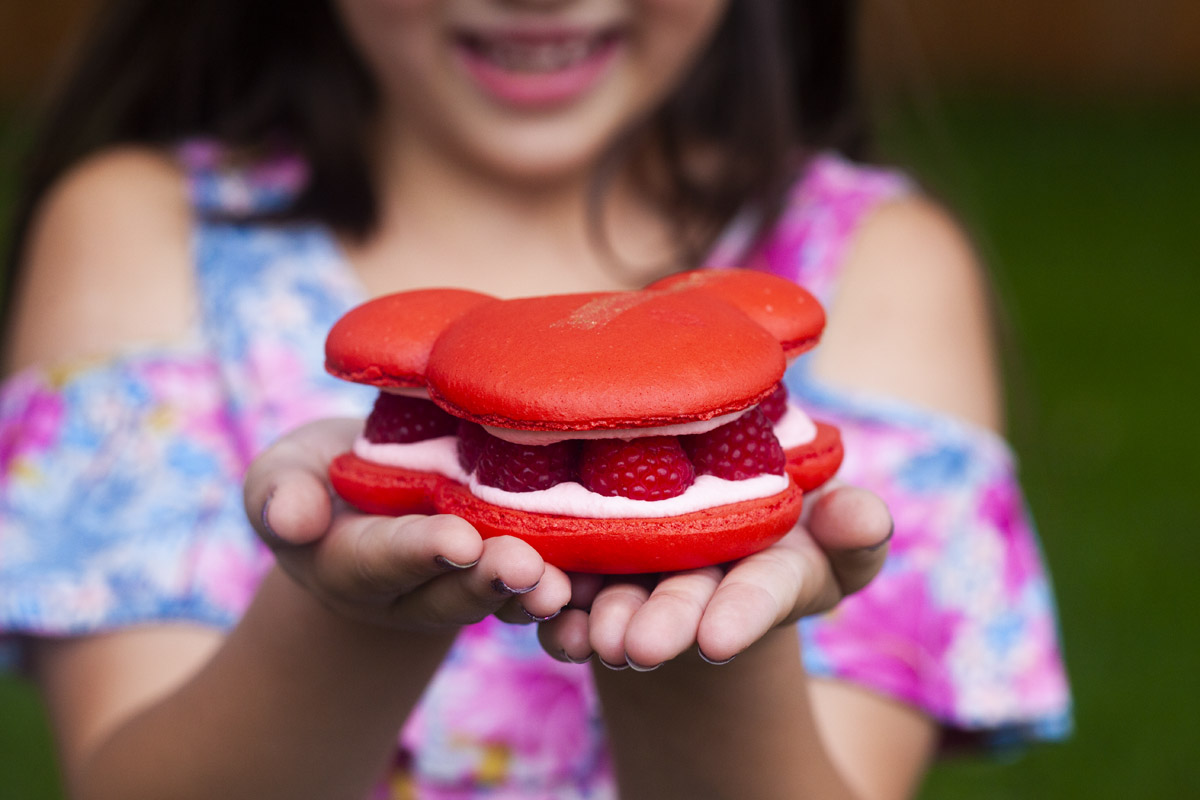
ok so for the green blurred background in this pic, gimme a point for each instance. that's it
(1068, 139)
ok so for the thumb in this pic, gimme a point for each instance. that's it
(853, 527)
(287, 494)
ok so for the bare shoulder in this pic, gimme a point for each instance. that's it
(913, 318)
(106, 262)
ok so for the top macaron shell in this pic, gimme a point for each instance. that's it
(603, 361)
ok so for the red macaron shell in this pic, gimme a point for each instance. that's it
(602, 361)
(386, 342)
(812, 464)
(629, 546)
(788, 311)
(381, 489)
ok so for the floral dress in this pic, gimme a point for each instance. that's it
(120, 503)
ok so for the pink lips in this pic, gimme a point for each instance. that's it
(538, 70)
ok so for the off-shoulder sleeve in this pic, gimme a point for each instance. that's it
(120, 498)
(961, 622)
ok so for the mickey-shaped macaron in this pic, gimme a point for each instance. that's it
(615, 432)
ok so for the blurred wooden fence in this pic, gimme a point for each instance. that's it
(1098, 46)
(1090, 46)
(32, 34)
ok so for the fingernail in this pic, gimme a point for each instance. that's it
(503, 588)
(567, 657)
(446, 563)
(536, 618)
(265, 518)
(613, 667)
(636, 667)
(708, 660)
(880, 545)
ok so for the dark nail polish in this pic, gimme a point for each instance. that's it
(445, 563)
(708, 660)
(636, 667)
(536, 618)
(503, 588)
(269, 532)
(566, 657)
(879, 546)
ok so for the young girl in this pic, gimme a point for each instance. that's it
(220, 180)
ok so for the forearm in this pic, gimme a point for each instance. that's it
(298, 702)
(741, 730)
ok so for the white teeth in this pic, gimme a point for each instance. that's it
(537, 57)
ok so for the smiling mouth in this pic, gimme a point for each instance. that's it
(538, 54)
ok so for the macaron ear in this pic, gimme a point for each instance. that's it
(790, 313)
(386, 342)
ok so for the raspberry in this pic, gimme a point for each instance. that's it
(650, 468)
(737, 450)
(775, 405)
(397, 418)
(525, 467)
(471, 439)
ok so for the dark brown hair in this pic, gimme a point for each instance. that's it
(776, 81)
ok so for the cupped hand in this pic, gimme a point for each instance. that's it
(413, 573)
(645, 621)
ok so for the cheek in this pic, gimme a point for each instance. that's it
(395, 37)
(684, 18)
(671, 35)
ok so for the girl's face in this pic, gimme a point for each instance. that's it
(531, 90)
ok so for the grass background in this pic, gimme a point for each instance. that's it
(1086, 213)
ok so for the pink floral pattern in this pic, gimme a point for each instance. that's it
(120, 503)
(35, 423)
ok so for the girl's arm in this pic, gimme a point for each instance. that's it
(296, 702)
(306, 695)
(740, 730)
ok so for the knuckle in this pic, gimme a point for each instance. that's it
(622, 595)
(369, 567)
(691, 598)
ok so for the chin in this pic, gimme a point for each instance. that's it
(540, 157)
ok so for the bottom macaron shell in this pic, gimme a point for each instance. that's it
(380, 489)
(815, 462)
(629, 546)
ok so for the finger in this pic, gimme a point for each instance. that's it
(854, 529)
(786, 581)
(543, 603)
(298, 511)
(584, 588)
(609, 618)
(812, 496)
(566, 636)
(666, 624)
(508, 568)
(286, 492)
(382, 557)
